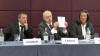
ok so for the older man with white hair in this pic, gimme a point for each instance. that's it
(52, 27)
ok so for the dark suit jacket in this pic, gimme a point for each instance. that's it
(76, 30)
(41, 29)
(13, 28)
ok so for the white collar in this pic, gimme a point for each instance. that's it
(19, 23)
(83, 25)
(49, 24)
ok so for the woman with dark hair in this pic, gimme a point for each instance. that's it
(79, 28)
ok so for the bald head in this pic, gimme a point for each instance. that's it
(47, 16)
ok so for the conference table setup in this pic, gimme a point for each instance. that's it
(55, 48)
(49, 27)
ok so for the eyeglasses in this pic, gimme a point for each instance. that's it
(48, 17)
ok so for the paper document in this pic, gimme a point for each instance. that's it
(61, 21)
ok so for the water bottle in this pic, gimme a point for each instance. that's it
(16, 37)
(88, 36)
(1, 36)
(52, 39)
(45, 35)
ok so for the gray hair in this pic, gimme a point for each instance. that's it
(19, 14)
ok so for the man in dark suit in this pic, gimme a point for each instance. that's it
(79, 28)
(19, 30)
(52, 27)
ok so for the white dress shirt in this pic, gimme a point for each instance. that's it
(83, 30)
(19, 27)
(18, 38)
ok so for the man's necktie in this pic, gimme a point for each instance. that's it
(50, 26)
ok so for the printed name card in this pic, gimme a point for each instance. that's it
(69, 40)
(96, 40)
(34, 41)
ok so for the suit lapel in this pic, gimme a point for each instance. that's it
(80, 29)
(48, 29)
(46, 25)
(17, 27)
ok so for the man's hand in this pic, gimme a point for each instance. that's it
(66, 24)
(26, 25)
(56, 25)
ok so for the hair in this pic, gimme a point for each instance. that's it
(85, 11)
(46, 11)
(20, 13)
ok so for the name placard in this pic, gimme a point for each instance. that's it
(34, 41)
(96, 40)
(69, 40)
